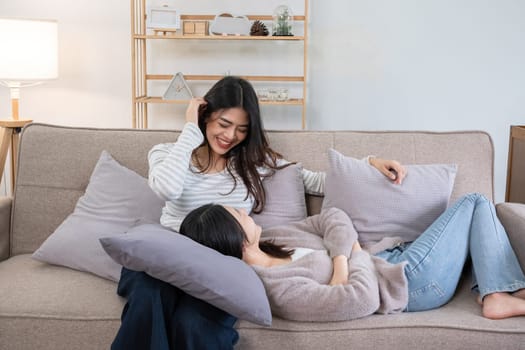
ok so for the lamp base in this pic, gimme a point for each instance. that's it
(9, 137)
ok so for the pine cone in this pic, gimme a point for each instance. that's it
(258, 29)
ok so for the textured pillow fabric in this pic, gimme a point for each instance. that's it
(379, 208)
(285, 201)
(223, 281)
(116, 199)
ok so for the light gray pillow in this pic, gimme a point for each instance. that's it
(116, 199)
(285, 201)
(223, 281)
(379, 208)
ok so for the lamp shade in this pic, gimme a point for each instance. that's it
(29, 50)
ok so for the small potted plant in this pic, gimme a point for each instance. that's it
(282, 21)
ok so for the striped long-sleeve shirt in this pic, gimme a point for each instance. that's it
(173, 178)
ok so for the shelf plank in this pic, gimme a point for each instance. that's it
(250, 17)
(279, 78)
(158, 99)
(180, 36)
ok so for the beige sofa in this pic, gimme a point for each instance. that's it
(52, 307)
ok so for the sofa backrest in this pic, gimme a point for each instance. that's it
(55, 164)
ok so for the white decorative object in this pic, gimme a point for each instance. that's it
(262, 94)
(273, 94)
(178, 89)
(282, 94)
(228, 24)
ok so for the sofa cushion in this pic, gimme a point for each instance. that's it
(35, 289)
(512, 216)
(380, 208)
(458, 324)
(45, 306)
(223, 281)
(285, 198)
(116, 199)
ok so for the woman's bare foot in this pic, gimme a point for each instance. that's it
(502, 305)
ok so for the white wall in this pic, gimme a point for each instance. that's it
(94, 85)
(375, 64)
(408, 64)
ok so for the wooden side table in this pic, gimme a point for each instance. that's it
(9, 138)
(516, 165)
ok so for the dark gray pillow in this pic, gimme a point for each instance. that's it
(378, 208)
(223, 281)
(285, 201)
(116, 199)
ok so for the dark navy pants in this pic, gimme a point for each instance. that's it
(159, 316)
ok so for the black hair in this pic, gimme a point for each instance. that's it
(213, 226)
(254, 151)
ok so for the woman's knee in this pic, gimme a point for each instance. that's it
(476, 197)
(141, 286)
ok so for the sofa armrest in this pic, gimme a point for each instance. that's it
(5, 226)
(512, 216)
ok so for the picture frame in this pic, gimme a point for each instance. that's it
(178, 89)
(163, 18)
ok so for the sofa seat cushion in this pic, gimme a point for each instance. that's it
(459, 322)
(33, 289)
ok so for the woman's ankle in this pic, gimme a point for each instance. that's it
(502, 305)
(519, 294)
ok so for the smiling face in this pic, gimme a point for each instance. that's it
(251, 229)
(226, 129)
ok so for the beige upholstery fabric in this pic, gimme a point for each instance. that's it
(5, 218)
(52, 307)
(457, 325)
(41, 290)
(512, 216)
(56, 170)
(48, 307)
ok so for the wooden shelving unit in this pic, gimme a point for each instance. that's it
(139, 56)
(515, 191)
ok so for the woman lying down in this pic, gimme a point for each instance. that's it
(315, 270)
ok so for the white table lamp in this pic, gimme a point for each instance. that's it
(29, 54)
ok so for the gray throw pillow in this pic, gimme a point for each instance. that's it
(116, 199)
(285, 201)
(223, 281)
(379, 208)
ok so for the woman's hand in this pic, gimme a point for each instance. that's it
(340, 262)
(340, 274)
(390, 168)
(192, 112)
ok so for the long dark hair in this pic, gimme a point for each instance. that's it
(254, 151)
(213, 226)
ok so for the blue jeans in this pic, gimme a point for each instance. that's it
(159, 316)
(436, 258)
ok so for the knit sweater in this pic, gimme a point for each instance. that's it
(174, 179)
(299, 290)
